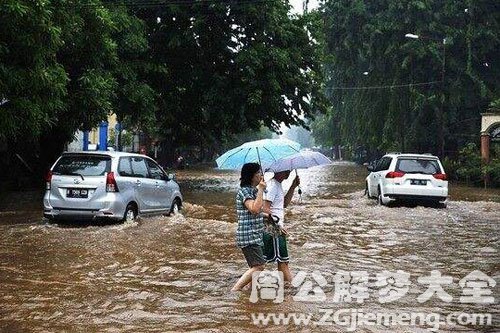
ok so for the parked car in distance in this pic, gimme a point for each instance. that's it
(110, 185)
(407, 177)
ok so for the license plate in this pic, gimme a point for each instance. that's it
(77, 193)
(418, 182)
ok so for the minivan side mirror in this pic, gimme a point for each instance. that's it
(171, 176)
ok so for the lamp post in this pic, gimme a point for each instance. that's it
(443, 71)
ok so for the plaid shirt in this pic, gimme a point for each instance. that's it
(250, 226)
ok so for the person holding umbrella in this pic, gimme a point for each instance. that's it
(275, 202)
(249, 200)
(249, 207)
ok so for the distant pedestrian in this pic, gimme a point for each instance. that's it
(180, 162)
(249, 205)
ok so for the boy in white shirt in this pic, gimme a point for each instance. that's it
(275, 202)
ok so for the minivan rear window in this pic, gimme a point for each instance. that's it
(83, 165)
(417, 165)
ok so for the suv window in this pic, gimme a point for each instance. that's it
(139, 167)
(124, 167)
(384, 164)
(418, 165)
(84, 165)
(154, 170)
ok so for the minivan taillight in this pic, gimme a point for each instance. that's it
(394, 174)
(441, 176)
(111, 183)
(48, 180)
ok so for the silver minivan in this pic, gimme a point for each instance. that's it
(106, 184)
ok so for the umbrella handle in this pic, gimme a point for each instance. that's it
(300, 190)
(260, 164)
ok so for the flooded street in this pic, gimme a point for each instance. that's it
(171, 274)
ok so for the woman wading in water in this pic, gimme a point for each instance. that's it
(249, 205)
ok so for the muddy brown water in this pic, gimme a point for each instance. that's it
(172, 274)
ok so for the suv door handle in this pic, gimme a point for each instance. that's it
(138, 182)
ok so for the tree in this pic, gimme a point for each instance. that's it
(406, 104)
(61, 71)
(189, 73)
(227, 67)
(32, 82)
(495, 106)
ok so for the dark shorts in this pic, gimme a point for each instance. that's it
(275, 248)
(254, 255)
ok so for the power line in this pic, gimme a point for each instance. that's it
(163, 3)
(430, 83)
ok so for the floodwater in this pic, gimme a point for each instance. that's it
(172, 274)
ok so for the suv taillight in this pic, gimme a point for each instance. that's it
(48, 180)
(441, 176)
(111, 183)
(394, 174)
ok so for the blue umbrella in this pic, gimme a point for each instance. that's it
(264, 152)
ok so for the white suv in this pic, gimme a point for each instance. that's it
(407, 177)
(106, 184)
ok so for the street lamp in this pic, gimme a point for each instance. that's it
(443, 70)
(412, 36)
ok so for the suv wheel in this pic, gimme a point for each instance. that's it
(379, 197)
(130, 213)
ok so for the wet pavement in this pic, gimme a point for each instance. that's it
(171, 274)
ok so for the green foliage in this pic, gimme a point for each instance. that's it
(493, 169)
(190, 74)
(394, 114)
(65, 66)
(323, 129)
(136, 100)
(32, 83)
(247, 135)
(231, 67)
(468, 165)
(300, 135)
(495, 106)
(126, 138)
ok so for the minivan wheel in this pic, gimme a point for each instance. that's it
(176, 207)
(442, 205)
(368, 194)
(130, 213)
